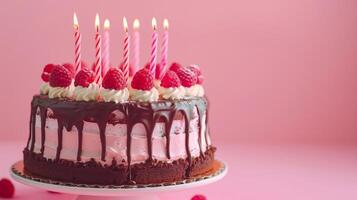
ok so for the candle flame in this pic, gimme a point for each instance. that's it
(106, 24)
(125, 24)
(97, 22)
(75, 21)
(136, 24)
(154, 23)
(166, 24)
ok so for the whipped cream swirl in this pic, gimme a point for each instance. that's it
(195, 91)
(44, 88)
(117, 96)
(144, 95)
(172, 92)
(89, 93)
(60, 92)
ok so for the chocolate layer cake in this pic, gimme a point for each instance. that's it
(115, 126)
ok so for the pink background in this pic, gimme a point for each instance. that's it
(277, 72)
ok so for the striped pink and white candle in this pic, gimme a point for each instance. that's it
(136, 48)
(164, 50)
(77, 44)
(106, 47)
(153, 54)
(98, 52)
(125, 65)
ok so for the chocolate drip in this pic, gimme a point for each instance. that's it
(102, 126)
(60, 138)
(206, 130)
(168, 126)
(128, 149)
(33, 127)
(71, 113)
(30, 129)
(199, 131)
(43, 113)
(187, 143)
(80, 140)
(149, 133)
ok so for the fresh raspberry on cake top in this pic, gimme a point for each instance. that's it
(84, 78)
(70, 68)
(188, 78)
(170, 80)
(60, 77)
(175, 66)
(114, 80)
(143, 80)
(196, 69)
(46, 73)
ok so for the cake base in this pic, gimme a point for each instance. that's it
(126, 192)
(92, 172)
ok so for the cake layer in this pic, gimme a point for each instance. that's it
(116, 141)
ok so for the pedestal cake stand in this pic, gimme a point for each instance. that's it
(111, 192)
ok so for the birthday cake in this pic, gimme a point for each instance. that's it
(115, 130)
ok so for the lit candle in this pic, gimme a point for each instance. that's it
(98, 49)
(164, 49)
(106, 47)
(125, 66)
(77, 44)
(136, 47)
(153, 55)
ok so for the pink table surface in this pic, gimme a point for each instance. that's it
(256, 171)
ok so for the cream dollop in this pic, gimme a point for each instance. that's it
(172, 92)
(90, 93)
(44, 88)
(60, 92)
(117, 96)
(195, 91)
(144, 95)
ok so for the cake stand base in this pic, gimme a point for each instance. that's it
(141, 197)
(113, 192)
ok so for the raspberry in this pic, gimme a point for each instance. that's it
(170, 80)
(93, 67)
(198, 197)
(60, 77)
(84, 77)
(196, 69)
(175, 66)
(7, 189)
(188, 78)
(114, 80)
(47, 72)
(143, 80)
(70, 68)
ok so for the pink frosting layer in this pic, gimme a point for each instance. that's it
(116, 141)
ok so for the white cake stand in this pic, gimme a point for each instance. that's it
(126, 192)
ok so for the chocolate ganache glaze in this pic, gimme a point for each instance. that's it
(70, 113)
